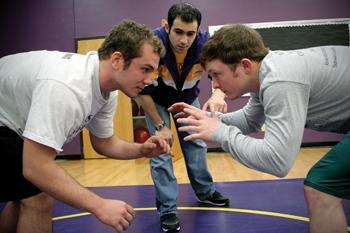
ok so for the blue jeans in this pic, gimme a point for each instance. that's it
(195, 155)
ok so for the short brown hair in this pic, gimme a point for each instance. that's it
(128, 38)
(233, 42)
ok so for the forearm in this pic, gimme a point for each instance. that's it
(269, 155)
(40, 168)
(150, 108)
(285, 118)
(116, 148)
(249, 119)
(238, 119)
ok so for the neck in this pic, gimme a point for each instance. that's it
(256, 81)
(107, 83)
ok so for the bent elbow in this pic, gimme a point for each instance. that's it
(281, 174)
(28, 172)
(283, 169)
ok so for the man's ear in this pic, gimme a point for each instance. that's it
(117, 60)
(247, 65)
(165, 25)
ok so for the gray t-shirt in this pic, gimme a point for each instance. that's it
(50, 96)
(299, 88)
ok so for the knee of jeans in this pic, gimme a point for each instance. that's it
(200, 143)
(40, 202)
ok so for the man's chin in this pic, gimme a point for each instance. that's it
(181, 50)
(129, 94)
(232, 97)
(133, 94)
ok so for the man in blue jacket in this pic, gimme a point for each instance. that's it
(177, 81)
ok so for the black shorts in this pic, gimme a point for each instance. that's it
(13, 184)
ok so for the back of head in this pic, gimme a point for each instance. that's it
(233, 42)
(128, 38)
(186, 12)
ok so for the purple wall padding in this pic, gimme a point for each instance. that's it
(36, 25)
(97, 17)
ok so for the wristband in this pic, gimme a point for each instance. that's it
(159, 126)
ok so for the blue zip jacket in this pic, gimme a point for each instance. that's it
(169, 86)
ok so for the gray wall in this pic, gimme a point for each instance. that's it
(54, 25)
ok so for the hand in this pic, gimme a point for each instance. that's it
(166, 134)
(178, 110)
(115, 213)
(216, 103)
(198, 122)
(155, 146)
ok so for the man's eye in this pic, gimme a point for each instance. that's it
(214, 75)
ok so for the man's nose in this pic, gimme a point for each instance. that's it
(215, 84)
(148, 80)
(184, 39)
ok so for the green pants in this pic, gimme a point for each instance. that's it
(332, 173)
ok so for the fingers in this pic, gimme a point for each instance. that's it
(205, 106)
(180, 115)
(131, 211)
(164, 146)
(212, 107)
(122, 219)
(125, 224)
(191, 137)
(222, 108)
(218, 107)
(212, 111)
(170, 141)
(177, 107)
(189, 128)
(156, 146)
(119, 229)
(184, 110)
(215, 105)
(128, 217)
(195, 112)
(188, 121)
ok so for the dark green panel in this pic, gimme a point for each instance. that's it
(296, 37)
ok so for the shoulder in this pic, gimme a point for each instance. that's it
(160, 32)
(202, 37)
